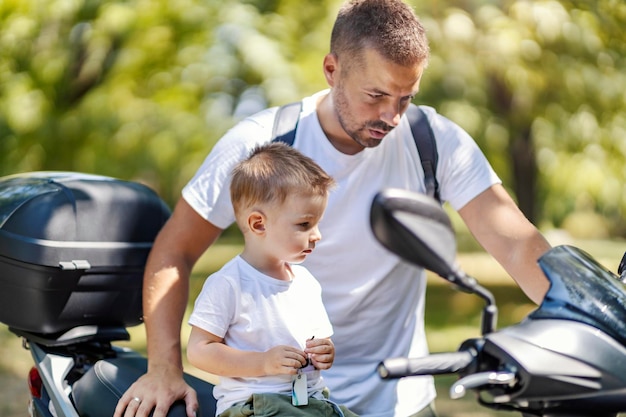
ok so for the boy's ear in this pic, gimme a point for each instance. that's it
(256, 222)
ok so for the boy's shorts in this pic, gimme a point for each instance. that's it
(266, 405)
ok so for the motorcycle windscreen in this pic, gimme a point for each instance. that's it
(583, 290)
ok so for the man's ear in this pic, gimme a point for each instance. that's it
(256, 222)
(330, 68)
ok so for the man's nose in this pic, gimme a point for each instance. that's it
(391, 114)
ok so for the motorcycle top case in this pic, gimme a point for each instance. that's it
(73, 248)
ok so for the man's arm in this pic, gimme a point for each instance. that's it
(502, 229)
(183, 239)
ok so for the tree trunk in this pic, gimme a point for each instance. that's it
(521, 148)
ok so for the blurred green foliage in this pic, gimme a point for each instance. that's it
(139, 89)
(142, 89)
(541, 85)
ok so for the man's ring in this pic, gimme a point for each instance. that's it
(137, 399)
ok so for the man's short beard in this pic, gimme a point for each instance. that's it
(341, 104)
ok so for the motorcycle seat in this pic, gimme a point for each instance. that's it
(96, 394)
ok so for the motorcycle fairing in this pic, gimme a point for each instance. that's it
(582, 290)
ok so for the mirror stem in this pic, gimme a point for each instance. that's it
(490, 312)
(469, 284)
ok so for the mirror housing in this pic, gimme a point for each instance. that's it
(416, 228)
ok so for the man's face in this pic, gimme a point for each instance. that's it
(370, 97)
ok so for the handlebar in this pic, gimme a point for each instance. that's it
(434, 364)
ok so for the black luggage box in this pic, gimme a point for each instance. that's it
(73, 248)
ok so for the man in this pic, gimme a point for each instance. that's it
(357, 133)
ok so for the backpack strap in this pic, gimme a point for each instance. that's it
(426, 148)
(286, 122)
(288, 115)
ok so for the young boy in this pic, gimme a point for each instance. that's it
(259, 322)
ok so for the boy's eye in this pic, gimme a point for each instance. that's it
(304, 225)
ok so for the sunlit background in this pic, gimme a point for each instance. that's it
(142, 89)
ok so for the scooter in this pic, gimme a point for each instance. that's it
(73, 248)
(567, 358)
(72, 251)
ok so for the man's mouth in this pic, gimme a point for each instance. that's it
(379, 130)
(378, 134)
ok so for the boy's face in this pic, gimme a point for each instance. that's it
(292, 228)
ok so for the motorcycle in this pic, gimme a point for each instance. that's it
(567, 358)
(72, 252)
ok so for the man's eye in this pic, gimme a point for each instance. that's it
(374, 96)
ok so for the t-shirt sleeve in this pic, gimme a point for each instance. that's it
(463, 171)
(216, 306)
(208, 191)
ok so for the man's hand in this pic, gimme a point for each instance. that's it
(157, 390)
(321, 352)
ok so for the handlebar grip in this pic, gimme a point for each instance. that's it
(434, 364)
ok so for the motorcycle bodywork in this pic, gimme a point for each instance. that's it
(72, 252)
(568, 356)
(566, 359)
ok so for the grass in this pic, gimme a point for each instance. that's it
(451, 317)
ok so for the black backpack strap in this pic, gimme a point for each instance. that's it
(285, 123)
(288, 115)
(426, 148)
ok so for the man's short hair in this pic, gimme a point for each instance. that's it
(388, 26)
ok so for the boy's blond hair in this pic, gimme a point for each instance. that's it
(274, 171)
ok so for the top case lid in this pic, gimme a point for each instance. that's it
(46, 216)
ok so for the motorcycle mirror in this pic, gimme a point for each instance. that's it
(416, 228)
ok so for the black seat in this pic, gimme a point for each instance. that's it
(96, 394)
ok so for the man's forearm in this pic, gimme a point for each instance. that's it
(178, 246)
(501, 228)
(165, 299)
(528, 274)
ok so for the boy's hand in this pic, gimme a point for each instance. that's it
(281, 360)
(321, 352)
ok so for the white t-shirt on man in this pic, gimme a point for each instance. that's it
(375, 300)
